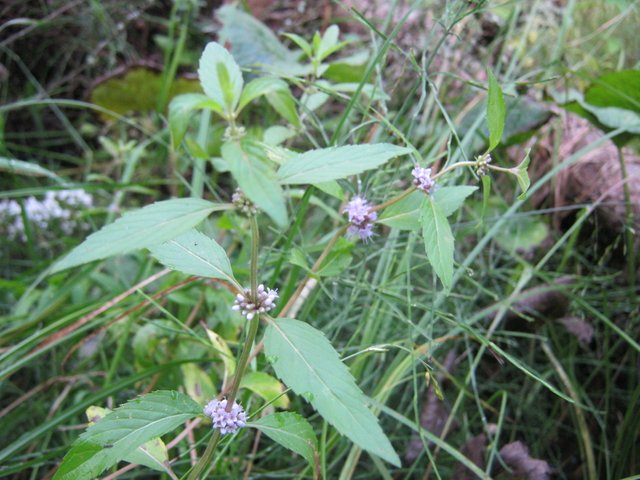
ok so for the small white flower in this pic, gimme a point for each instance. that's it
(265, 301)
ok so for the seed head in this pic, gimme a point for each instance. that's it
(265, 301)
(227, 422)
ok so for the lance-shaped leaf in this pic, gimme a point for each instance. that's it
(292, 432)
(153, 224)
(438, 240)
(180, 110)
(220, 77)
(522, 175)
(405, 215)
(256, 179)
(332, 163)
(124, 430)
(194, 253)
(496, 111)
(259, 87)
(321, 377)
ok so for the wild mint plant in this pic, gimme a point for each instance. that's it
(299, 354)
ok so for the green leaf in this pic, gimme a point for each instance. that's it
(265, 386)
(451, 198)
(123, 430)
(321, 378)
(522, 234)
(523, 176)
(221, 348)
(259, 87)
(438, 240)
(283, 102)
(197, 383)
(153, 224)
(256, 179)
(152, 454)
(495, 111)
(616, 89)
(292, 432)
(220, 77)
(20, 167)
(301, 43)
(180, 110)
(322, 165)
(329, 42)
(194, 253)
(405, 214)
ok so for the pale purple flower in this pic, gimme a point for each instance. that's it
(226, 421)
(422, 179)
(249, 307)
(360, 217)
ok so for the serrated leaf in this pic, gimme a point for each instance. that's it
(325, 164)
(496, 111)
(259, 87)
(438, 240)
(194, 253)
(405, 214)
(291, 431)
(522, 175)
(180, 110)
(220, 76)
(322, 379)
(152, 454)
(283, 102)
(256, 179)
(153, 224)
(265, 386)
(126, 428)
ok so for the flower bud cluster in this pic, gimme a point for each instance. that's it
(265, 301)
(422, 179)
(360, 216)
(226, 422)
(482, 164)
(242, 203)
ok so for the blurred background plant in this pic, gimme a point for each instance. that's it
(546, 293)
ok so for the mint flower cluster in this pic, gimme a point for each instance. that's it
(226, 421)
(360, 217)
(242, 203)
(57, 210)
(265, 301)
(422, 179)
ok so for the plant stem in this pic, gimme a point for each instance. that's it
(244, 356)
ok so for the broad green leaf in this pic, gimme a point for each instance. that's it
(194, 253)
(522, 175)
(322, 379)
(325, 164)
(152, 454)
(405, 215)
(180, 110)
(619, 89)
(283, 102)
(265, 386)
(197, 383)
(259, 87)
(153, 224)
(220, 76)
(20, 167)
(277, 134)
(495, 111)
(255, 46)
(438, 240)
(123, 430)
(291, 431)
(332, 188)
(451, 198)
(256, 179)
